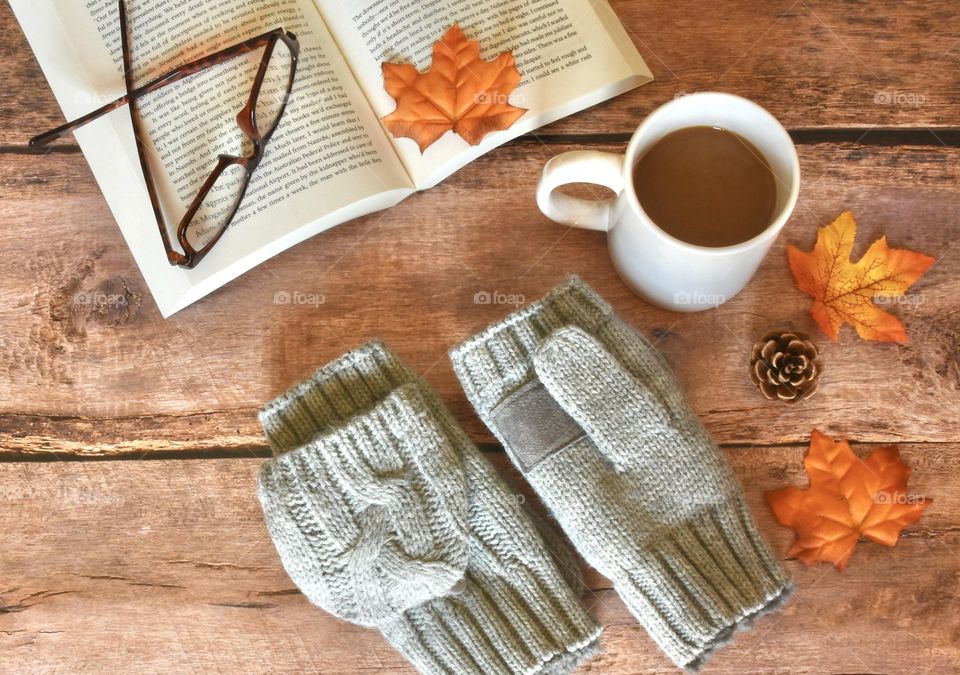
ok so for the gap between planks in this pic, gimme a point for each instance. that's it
(263, 452)
(869, 136)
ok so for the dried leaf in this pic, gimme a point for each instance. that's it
(847, 498)
(843, 291)
(459, 92)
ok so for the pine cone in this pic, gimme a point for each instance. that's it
(785, 365)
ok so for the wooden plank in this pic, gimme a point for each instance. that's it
(813, 63)
(81, 374)
(164, 566)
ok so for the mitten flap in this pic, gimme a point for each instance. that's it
(370, 518)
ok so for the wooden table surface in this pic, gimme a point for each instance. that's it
(132, 538)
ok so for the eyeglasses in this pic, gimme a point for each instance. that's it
(213, 209)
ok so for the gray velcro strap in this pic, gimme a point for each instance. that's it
(532, 425)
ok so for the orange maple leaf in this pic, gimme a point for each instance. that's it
(843, 291)
(847, 498)
(459, 92)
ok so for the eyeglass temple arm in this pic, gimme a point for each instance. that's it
(170, 77)
(174, 257)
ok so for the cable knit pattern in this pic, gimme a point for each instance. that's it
(646, 496)
(384, 513)
(382, 503)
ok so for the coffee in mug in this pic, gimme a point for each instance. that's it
(707, 186)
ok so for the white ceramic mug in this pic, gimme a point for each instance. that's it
(666, 271)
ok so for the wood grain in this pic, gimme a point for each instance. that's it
(166, 566)
(81, 376)
(813, 63)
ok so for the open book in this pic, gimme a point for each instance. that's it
(331, 160)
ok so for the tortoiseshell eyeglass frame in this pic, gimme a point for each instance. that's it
(246, 120)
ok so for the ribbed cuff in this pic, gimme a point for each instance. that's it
(347, 386)
(701, 582)
(495, 362)
(523, 622)
(370, 518)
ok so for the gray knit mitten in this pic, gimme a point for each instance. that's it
(593, 416)
(385, 514)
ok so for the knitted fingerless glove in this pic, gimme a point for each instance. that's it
(593, 416)
(385, 514)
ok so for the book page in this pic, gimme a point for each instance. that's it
(328, 160)
(571, 54)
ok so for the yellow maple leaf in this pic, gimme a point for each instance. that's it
(848, 498)
(460, 91)
(843, 291)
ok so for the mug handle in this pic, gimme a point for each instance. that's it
(580, 166)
